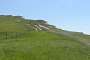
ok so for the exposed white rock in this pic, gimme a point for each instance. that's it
(37, 27)
(44, 27)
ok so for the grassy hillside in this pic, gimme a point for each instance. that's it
(10, 23)
(21, 39)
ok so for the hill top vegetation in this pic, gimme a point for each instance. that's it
(27, 39)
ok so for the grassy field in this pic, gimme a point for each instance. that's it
(41, 46)
(20, 41)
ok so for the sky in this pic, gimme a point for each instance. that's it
(72, 15)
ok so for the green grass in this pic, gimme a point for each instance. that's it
(42, 46)
(18, 41)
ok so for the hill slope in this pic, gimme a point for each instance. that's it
(18, 24)
(23, 39)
